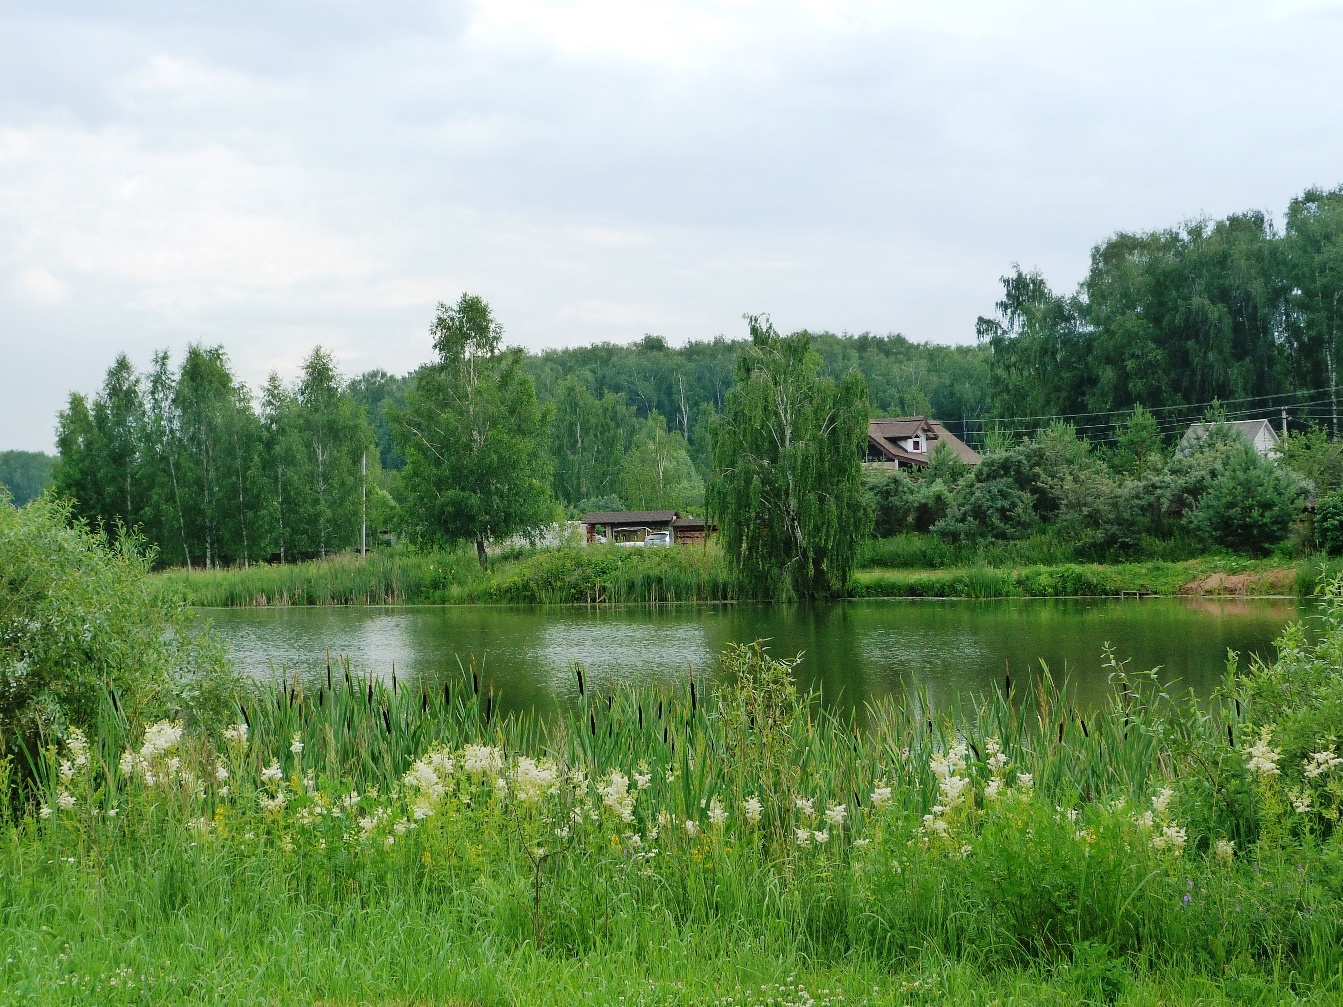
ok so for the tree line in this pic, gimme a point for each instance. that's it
(1230, 309)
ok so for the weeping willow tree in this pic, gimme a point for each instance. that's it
(787, 489)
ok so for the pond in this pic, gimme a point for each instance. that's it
(854, 652)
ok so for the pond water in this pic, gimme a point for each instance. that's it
(855, 651)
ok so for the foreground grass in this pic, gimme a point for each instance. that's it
(593, 575)
(356, 843)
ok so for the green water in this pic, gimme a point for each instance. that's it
(855, 651)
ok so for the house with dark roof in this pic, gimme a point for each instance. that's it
(1259, 434)
(909, 442)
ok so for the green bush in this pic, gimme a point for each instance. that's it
(1329, 523)
(77, 616)
(1249, 504)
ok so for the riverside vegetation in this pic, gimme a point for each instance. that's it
(360, 842)
(169, 834)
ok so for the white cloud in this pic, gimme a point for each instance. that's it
(271, 177)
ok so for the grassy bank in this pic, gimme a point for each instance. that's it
(359, 844)
(1213, 576)
(594, 575)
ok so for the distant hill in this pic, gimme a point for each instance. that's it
(25, 473)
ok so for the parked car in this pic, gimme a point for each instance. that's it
(658, 538)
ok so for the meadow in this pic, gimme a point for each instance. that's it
(368, 843)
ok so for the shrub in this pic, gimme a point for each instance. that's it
(1329, 522)
(1249, 505)
(78, 615)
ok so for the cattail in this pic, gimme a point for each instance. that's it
(578, 671)
(320, 702)
(370, 690)
(475, 679)
(975, 748)
(245, 718)
(387, 719)
(1007, 679)
(447, 694)
(693, 703)
(1230, 738)
(1083, 721)
(1060, 730)
(328, 668)
(489, 703)
(641, 716)
(393, 678)
(592, 723)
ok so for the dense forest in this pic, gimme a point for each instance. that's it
(1228, 312)
(24, 474)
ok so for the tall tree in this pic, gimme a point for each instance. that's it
(657, 472)
(787, 489)
(1314, 258)
(589, 438)
(474, 436)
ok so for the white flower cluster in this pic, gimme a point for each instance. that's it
(482, 760)
(881, 795)
(1169, 837)
(753, 809)
(533, 780)
(236, 735)
(952, 788)
(1264, 760)
(616, 795)
(427, 780)
(153, 763)
(1320, 763)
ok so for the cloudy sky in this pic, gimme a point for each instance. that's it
(271, 175)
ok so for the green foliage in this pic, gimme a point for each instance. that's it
(473, 435)
(1329, 523)
(660, 826)
(589, 438)
(787, 489)
(1315, 458)
(25, 474)
(1250, 504)
(78, 616)
(657, 473)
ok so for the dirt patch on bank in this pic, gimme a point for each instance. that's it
(1280, 581)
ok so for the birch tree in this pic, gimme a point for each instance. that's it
(786, 491)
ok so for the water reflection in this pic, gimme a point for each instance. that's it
(853, 652)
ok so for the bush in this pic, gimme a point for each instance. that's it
(1249, 504)
(1329, 523)
(78, 615)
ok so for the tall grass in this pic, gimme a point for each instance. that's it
(593, 575)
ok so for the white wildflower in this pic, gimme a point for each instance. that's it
(803, 836)
(296, 745)
(805, 805)
(272, 803)
(1264, 760)
(1321, 763)
(44, 812)
(642, 780)
(66, 771)
(78, 747)
(862, 842)
(717, 816)
(836, 815)
(992, 788)
(881, 796)
(236, 735)
(65, 800)
(1162, 800)
(753, 809)
(221, 773)
(1225, 850)
(1025, 781)
(616, 795)
(272, 772)
(821, 837)
(1170, 839)
(691, 828)
(482, 760)
(1144, 820)
(533, 780)
(1300, 801)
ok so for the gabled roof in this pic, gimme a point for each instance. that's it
(1249, 429)
(885, 433)
(631, 517)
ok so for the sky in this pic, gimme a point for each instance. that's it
(276, 175)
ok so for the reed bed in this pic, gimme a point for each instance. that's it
(1013, 835)
(593, 575)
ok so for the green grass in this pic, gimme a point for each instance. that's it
(593, 575)
(357, 849)
(1239, 576)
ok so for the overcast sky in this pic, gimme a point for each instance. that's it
(271, 175)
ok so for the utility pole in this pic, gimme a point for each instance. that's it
(1284, 423)
(363, 489)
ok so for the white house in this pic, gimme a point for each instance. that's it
(1259, 433)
